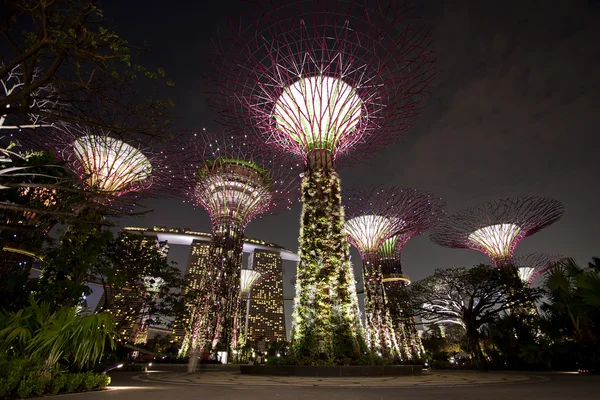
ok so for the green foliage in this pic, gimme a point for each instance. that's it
(34, 195)
(564, 337)
(59, 383)
(325, 325)
(571, 314)
(129, 264)
(137, 266)
(12, 372)
(33, 385)
(37, 333)
(73, 382)
(20, 378)
(69, 265)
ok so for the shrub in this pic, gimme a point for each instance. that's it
(34, 384)
(14, 372)
(103, 380)
(90, 381)
(21, 378)
(73, 382)
(4, 388)
(58, 383)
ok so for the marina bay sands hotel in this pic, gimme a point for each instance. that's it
(265, 317)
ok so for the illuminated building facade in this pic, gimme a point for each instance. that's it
(124, 308)
(265, 319)
(194, 280)
(262, 257)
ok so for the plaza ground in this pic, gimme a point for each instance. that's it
(173, 384)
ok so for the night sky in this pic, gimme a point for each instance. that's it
(515, 111)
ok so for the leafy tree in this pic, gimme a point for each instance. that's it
(434, 343)
(61, 63)
(162, 345)
(137, 280)
(138, 274)
(34, 195)
(68, 266)
(469, 298)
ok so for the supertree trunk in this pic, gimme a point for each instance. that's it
(226, 254)
(214, 318)
(140, 336)
(401, 313)
(380, 334)
(326, 321)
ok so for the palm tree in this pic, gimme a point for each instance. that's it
(574, 295)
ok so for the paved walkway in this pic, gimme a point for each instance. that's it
(431, 386)
(427, 379)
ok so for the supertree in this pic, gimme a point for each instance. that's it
(325, 80)
(112, 172)
(496, 228)
(234, 182)
(532, 266)
(373, 216)
(152, 287)
(420, 217)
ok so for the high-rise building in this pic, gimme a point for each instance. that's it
(196, 268)
(266, 316)
(125, 310)
(130, 312)
(265, 320)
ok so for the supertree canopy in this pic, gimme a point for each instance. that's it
(111, 166)
(373, 216)
(324, 80)
(234, 182)
(532, 266)
(110, 170)
(376, 218)
(248, 279)
(496, 228)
